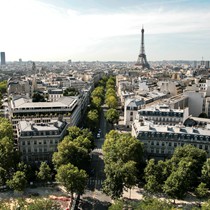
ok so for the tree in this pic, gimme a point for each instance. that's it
(206, 172)
(45, 204)
(203, 115)
(3, 87)
(196, 156)
(98, 92)
(201, 191)
(179, 181)
(37, 97)
(154, 175)
(3, 174)
(110, 83)
(122, 158)
(92, 118)
(44, 173)
(86, 137)
(5, 129)
(69, 152)
(70, 92)
(7, 154)
(73, 179)
(122, 146)
(96, 102)
(119, 176)
(111, 102)
(154, 203)
(112, 116)
(18, 182)
(110, 92)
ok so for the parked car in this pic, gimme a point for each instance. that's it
(98, 135)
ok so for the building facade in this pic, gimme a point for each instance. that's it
(160, 141)
(37, 142)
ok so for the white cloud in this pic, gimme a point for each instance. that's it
(31, 28)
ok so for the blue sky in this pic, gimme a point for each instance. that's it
(104, 30)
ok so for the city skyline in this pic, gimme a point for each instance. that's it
(49, 30)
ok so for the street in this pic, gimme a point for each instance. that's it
(94, 198)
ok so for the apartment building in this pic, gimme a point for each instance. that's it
(160, 141)
(38, 141)
(164, 115)
(66, 109)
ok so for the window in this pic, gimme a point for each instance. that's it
(35, 142)
(23, 142)
(131, 113)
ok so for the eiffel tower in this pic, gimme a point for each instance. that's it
(142, 59)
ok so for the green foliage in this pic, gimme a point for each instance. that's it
(5, 129)
(118, 205)
(203, 115)
(177, 184)
(206, 172)
(98, 92)
(122, 155)
(155, 175)
(177, 175)
(111, 92)
(3, 87)
(69, 152)
(37, 97)
(7, 154)
(92, 118)
(96, 102)
(44, 173)
(112, 116)
(73, 179)
(201, 191)
(74, 148)
(152, 203)
(18, 182)
(71, 92)
(110, 83)
(121, 146)
(44, 204)
(3, 174)
(111, 101)
(37, 204)
(145, 204)
(196, 156)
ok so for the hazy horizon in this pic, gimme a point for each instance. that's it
(104, 30)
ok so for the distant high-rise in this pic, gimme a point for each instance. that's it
(3, 60)
(142, 59)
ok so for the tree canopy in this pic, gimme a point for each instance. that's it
(112, 116)
(73, 179)
(18, 182)
(122, 156)
(177, 175)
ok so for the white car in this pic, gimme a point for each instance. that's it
(98, 135)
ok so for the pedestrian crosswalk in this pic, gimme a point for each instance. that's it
(95, 182)
(98, 150)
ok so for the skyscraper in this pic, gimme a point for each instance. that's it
(3, 60)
